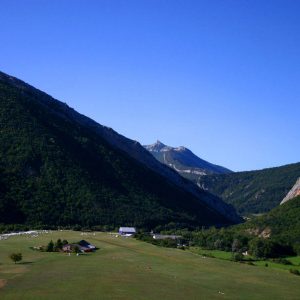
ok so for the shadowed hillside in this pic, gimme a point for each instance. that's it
(254, 191)
(60, 168)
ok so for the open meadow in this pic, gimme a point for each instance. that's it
(124, 268)
(218, 254)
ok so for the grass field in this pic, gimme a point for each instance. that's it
(130, 269)
(295, 260)
(213, 253)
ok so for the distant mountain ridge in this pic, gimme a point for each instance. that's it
(59, 167)
(184, 161)
(253, 192)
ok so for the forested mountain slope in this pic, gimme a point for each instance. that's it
(281, 223)
(254, 191)
(60, 168)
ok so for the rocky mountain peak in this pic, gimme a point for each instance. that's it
(180, 149)
(156, 147)
(184, 162)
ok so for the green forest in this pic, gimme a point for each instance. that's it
(57, 172)
(275, 234)
(253, 192)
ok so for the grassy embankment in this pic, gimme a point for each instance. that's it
(131, 269)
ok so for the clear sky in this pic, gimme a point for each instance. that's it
(221, 77)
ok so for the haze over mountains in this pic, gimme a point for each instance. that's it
(59, 167)
(184, 161)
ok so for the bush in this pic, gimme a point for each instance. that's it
(16, 257)
(262, 248)
(168, 243)
(208, 255)
(296, 248)
(58, 245)
(65, 242)
(76, 249)
(76, 227)
(237, 256)
(295, 272)
(283, 261)
(50, 247)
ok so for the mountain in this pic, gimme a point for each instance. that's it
(253, 192)
(59, 167)
(184, 161)
(281, 223)
(294, 192)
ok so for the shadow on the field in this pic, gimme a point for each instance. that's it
(25, 263)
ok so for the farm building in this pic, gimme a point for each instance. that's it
(86, 244)
(82, 246)
(127, 231)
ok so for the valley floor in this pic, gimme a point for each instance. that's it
(295, 260)
(124, 268)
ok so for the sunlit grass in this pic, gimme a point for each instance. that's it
(130, 269)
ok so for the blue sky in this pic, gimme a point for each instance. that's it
(220, 77)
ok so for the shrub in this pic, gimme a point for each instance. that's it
(295, 272)
(237, 256)
(50, 247)
(208, 255)
(65, 242)
(283, 261)
(76, 249)
(58, 245)
(16, 257)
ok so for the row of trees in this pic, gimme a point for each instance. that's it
(238, 241)
(57, 246)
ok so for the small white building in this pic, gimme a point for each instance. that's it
(127, 231)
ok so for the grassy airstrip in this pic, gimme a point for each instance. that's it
(130, 269)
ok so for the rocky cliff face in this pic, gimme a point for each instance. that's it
(184, 161)
(294, 192)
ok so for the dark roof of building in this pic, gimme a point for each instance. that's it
(84, 243)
